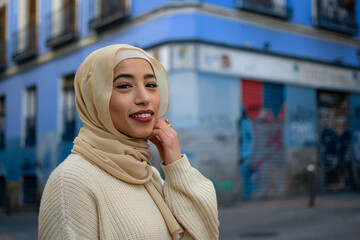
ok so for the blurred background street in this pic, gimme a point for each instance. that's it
(334, 217)
(264, 95)
(259, 89)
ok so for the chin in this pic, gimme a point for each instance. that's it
(145, 134)
(137, 134)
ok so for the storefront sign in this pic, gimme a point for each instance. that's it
(277, 69)
(250, 65)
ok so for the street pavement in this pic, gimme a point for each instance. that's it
(333, 217)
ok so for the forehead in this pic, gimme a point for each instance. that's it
(134, 65)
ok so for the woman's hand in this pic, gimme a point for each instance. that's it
(166, 140)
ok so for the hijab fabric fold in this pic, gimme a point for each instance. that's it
(124, 157)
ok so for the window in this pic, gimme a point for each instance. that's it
(30, 190)
(2, 38)
(105, 13)
(2, 122)
(275, 8)
(337, 15)
(62, 23)
(69, 110)
(25, 39)
(30, 117)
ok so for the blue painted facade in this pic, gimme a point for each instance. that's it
(200, 101)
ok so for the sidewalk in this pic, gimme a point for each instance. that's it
(333, 217)
(18, 226)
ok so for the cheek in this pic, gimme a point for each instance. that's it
(156, 101)
(116, 106)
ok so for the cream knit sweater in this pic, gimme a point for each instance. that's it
(81, 201)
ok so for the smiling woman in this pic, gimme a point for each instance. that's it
(135, 99)
(106, 188)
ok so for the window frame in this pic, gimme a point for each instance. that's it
(25, 39)
(61, 110)
(62, 24)
(3, 35)
(321, 21)
(26, 116)
(100, 23)
(247, 5)
(2, 118)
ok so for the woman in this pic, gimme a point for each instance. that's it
(106, 188)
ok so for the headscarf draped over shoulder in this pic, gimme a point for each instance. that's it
(98, 141)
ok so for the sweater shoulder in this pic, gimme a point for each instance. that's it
(70, 198)
(76, 170)
(77, 161)
(74, 180)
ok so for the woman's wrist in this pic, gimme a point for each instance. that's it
(172, 159)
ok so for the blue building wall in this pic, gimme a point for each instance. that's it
(185, 26)
(222, 109)
(204, 109)
(239, 34)
(196, 110)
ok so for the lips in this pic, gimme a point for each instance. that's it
(142, 116)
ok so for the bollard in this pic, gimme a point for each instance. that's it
(311, 173)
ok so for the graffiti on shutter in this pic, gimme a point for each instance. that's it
(262, 158)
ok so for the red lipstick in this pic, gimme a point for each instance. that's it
(142, 116)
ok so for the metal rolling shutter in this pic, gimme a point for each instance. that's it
(335, 156)
(261, 143)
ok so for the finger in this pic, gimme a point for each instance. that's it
(169, 131)
(166, 134)
(163, 137)
(163, 129)
(167, 123)
(156, 141)
(160, 123)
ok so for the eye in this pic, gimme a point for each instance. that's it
(151, 85)
(123, 86)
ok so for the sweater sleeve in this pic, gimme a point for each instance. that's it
(68, 209)
(192, 199)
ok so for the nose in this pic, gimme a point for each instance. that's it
(142, 96)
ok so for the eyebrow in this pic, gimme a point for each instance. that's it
(131, 76)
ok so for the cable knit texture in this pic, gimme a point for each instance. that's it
(82, 201)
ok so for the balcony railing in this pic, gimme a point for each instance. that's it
(30, 131)
(62, 26)
(25, 44)
(106, 13)
(336, 15)
(279, 9)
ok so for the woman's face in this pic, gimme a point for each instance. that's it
(135, 98)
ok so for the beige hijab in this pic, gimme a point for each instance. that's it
(124, 157)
